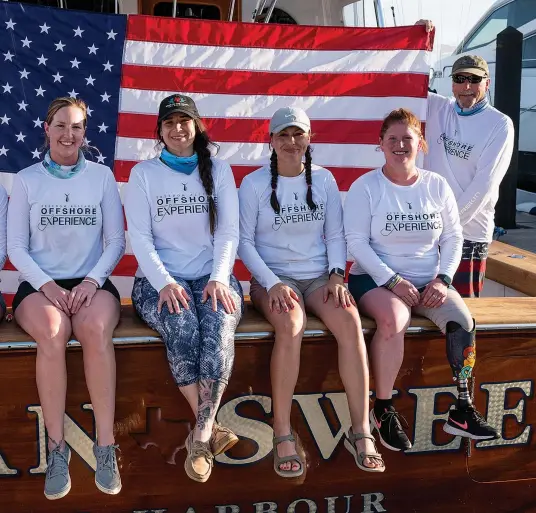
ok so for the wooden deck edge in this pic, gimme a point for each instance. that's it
(512, 267)
(491, 314)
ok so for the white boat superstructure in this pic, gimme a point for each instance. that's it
(302, 12)
(482, 40)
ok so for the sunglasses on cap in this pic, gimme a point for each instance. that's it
(472, 79)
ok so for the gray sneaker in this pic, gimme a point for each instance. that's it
(107, 476)
(58, 480)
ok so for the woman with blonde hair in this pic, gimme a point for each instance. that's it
(65, 236)
(403, 232)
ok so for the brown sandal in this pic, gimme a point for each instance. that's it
(350, 443)
(279, 460)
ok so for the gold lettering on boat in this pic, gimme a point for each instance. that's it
(497, 394)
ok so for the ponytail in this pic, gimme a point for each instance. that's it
(201, 147)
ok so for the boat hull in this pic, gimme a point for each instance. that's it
(153, 419)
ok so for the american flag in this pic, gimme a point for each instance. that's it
(347, 79)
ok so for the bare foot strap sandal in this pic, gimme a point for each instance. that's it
(293, 458)
(350, 443)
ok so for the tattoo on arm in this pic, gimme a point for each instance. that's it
(209, 397)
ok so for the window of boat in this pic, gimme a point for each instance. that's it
(105, 6)
(488, 31)
(278, 16)
(514, 14)
(529, 52)
(521, 12)
(185, 10)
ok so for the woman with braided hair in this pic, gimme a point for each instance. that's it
(182, 213)
(292, 241)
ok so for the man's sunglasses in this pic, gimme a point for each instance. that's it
(472, 79)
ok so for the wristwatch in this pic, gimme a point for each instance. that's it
(338, 271)
(447, 280)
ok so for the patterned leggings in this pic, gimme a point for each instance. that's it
(199, 341)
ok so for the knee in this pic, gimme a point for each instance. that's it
(463, 320)
(93, 334)
(393, 324)
(289, 330)
(348, 328)
(52, 340)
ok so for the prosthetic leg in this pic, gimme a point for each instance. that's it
(461, 353)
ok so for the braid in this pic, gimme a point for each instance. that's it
(273, 168)
(309, 179)
(201, 145)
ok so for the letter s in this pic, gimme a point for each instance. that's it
(255, 430)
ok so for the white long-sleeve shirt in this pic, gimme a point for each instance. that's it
(473, 153)
(3, 226)
(65, 228)
(399, 229)
(298, 242)
(168, 223)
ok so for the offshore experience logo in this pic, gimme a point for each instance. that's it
(180, 204)
(298, 213)
(67, 215)
(454, 147)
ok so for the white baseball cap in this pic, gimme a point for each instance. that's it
(289, 116)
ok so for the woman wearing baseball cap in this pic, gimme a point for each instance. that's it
(182, 213)
(292, 241)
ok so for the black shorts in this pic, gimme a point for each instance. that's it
(360, 284)
(25, 289)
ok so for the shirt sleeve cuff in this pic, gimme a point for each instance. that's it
(268, 284)
(161, 282)
(37, 284)
(98, 279)
(220, 278)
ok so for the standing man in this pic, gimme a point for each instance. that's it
(470, 144)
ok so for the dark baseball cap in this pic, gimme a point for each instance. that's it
(471, 64)
(177, 103)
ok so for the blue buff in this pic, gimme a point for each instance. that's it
(477, 107)
(184, 165)
(64, 172)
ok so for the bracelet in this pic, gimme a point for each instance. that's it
(393, 282)
(398, 280)
(92, 281)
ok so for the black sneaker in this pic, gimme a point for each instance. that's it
(390, 429)
(470, 424)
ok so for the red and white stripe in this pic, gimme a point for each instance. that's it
(239, 74)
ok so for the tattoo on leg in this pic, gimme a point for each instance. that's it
(210, 393)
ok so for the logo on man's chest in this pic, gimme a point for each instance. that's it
(455, 147)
